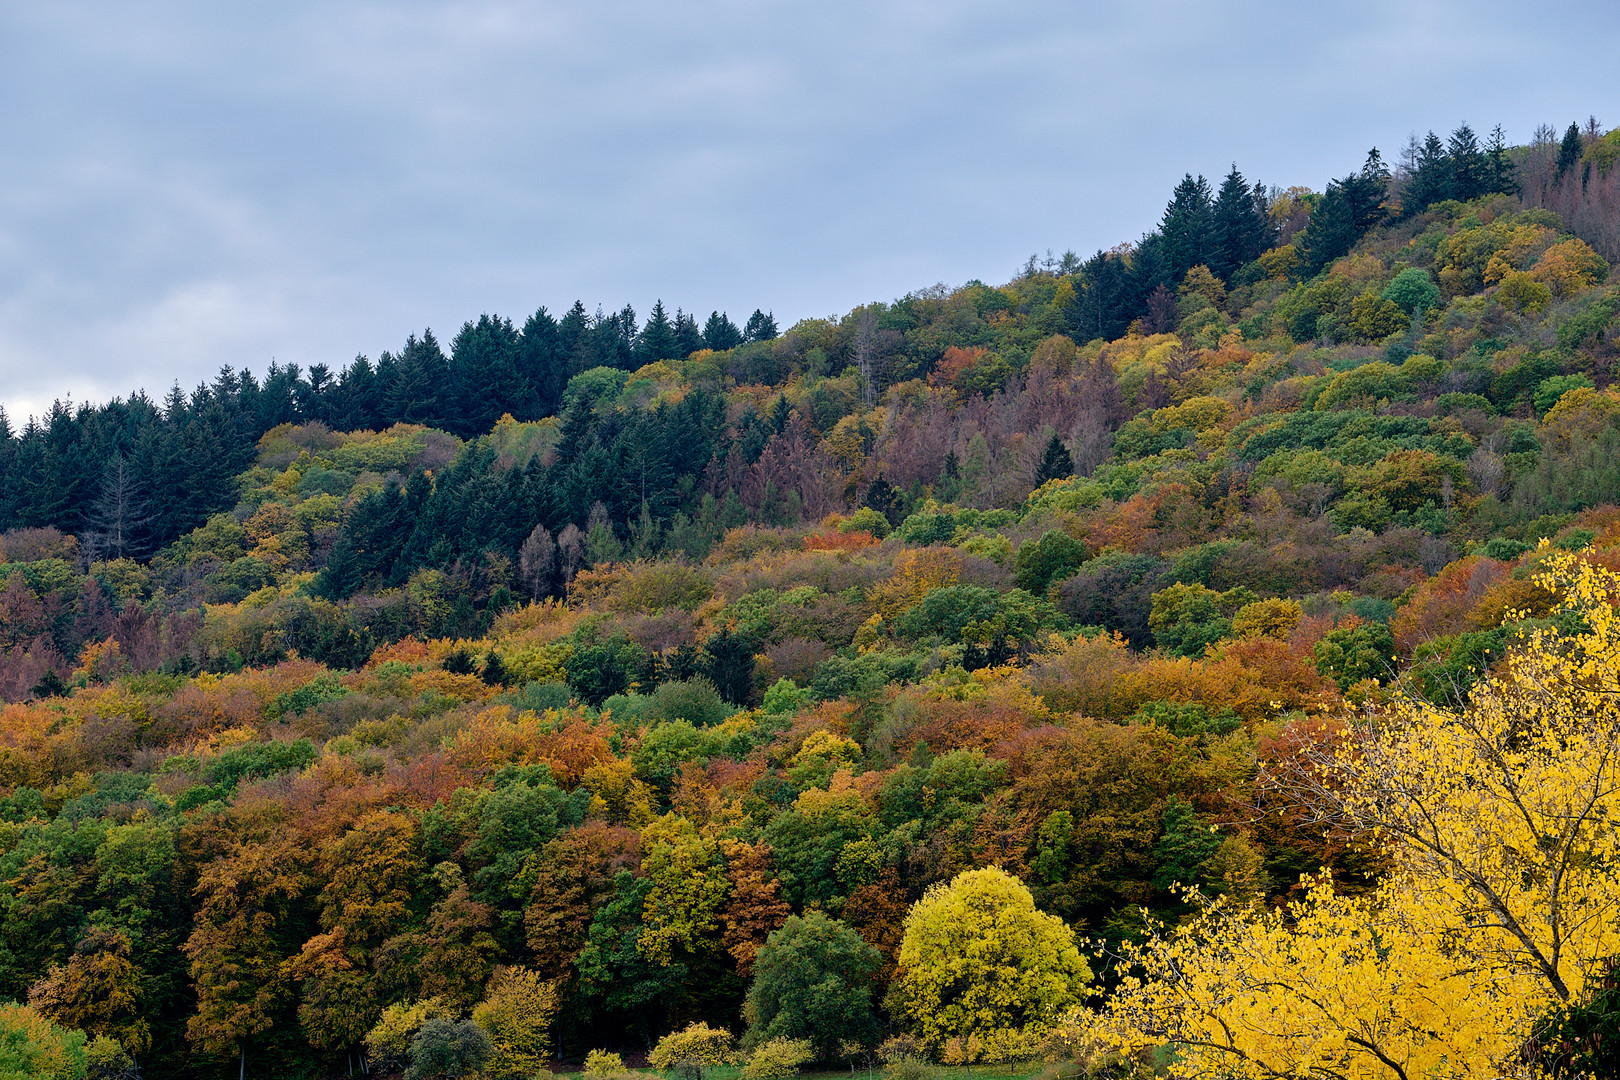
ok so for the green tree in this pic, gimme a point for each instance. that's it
(1353, 653)
(1570, 150)
(1056, 462)
(1186, 619)
(448, 1048)
(657, 339)
(1051, 558)
(813, 980)
(1413, 291)
(980, 962)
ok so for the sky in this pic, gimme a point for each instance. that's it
(189, 185)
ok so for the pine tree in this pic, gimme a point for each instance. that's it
(760, 327)
(1430, 181)
(1056, 462)
(1467, 174)
(1569, 151)
(657, 340)
(1188, 227)
(720, 333)
(1499, 168)
(119, 519)
(688, 338)
(1240, 226)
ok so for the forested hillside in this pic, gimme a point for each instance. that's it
(593, 678)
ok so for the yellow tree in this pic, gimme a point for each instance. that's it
(1498, 820)
(982, 968)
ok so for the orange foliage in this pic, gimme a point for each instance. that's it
(1170, 516)
(953, 365)
(1441, 605)
(850, 541)
(1255, 678)
(407, 651)
(575, 747)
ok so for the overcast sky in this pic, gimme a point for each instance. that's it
(185, 185)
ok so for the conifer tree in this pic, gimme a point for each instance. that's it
(760, 327)
(720, 333)
(1188, 227)
(1569, 151)
(1056, 462)
(1499, 168)
(657, 340)
(1240, 226)
(1468, 177)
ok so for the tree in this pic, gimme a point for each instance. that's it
(813, 981)
(33, 1048)
(1469, 177)
(720, 333)
(1413, 291)
(98, 991)
(657, 340)
(1188, 227)
(516, 1014)
(1429, 178)
(979, 961)
(1053, 557)
(1499, 168)
(1241, 228)
(448, 1048)
(760, 327)
(1569, 150)
(118, 520)
(1499, 904)
(1056, 462)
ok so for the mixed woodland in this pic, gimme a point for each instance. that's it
(1167, 627)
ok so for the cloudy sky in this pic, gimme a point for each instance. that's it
(185, 185)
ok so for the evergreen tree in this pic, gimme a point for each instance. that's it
(657, 340)
(1430, 180)
(760, 327)
(484, 378)
(1056, 462)
(720, 333)
(1569, 151)
(417, 395)
(542, 364)
(118, 520)
(688, 338)
(1499, 168)
(1241, 228)
(1188, 227)
(1467, 175)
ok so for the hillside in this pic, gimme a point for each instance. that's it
(600, 648)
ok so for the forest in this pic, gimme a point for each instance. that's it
(1194, 659)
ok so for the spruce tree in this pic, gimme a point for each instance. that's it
(720, 333)
(1569, 151)
(760, 327)
(1499, 168)
(1188, 227)
(688, 338)
(1467, 174)
(1240, 226)
(657, 339)
(1430, 181)
(1056, 462)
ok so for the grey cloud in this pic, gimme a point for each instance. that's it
(189, 185)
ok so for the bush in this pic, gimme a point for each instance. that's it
(104, 1059)
(602, 1065)
(777, 1058)
(448, 1048)
(688, 1052)
(389, 1043)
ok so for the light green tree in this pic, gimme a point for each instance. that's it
(980, 965)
